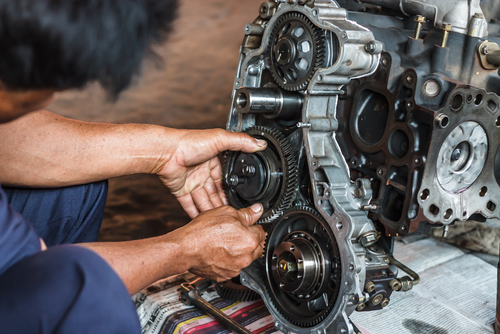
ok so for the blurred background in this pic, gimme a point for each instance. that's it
(192, 90)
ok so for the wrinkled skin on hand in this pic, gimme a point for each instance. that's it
(222, 241)
(193, 172)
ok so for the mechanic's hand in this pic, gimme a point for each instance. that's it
(193, 173)
(221, 242)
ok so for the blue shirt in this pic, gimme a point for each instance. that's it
(18, 238)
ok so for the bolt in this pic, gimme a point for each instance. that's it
(446, 32)
(485, 49)
(409, 79)
(358, 193)
(368, 239)
(370, 207)
(385, 302)
(478, 16)
(418, 29)
(371, 48)
(233, 180)
(361, 307)
(377, 299)
(456, 154)
(395, 284)
(286, 267)
(249, 170)
(380, 172)
(370, 287)
(385, 62)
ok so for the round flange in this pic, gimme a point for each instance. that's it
(269, 177)
(303, 267)
(462, 157)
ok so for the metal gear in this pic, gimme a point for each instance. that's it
(269, 177)
(235, 291)
(303, 267)
(297, 49)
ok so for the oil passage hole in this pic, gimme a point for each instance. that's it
(457, 102)
(491, 206)
(478, 99)
(483, 191)
(425, 194)
(469, 98)
(434, 210)
(448, 214)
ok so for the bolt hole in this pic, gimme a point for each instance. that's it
(469, 98)
(479, 99)
(320, 202)
(483, 191)
(491, 206)
(448, 214)
(498, 122)
(443, 121)
(465, 213)
(425, 194)
(434, 210)
(492, 106)
(457, 102)
(339, 226)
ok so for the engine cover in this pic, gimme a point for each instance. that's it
(381, 120)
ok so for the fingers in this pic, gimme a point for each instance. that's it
(216, 175)
(257, 252)
(202, 199)
(213, 193)
(237, 141)
(189, 206)
(249, 216)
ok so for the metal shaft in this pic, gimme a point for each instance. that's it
(191, 296)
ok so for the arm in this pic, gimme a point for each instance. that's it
(42, 149)
(217, 245)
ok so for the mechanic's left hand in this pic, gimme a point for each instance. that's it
(193, 173)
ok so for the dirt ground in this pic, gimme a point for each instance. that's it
(192, 90)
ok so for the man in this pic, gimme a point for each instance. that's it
(54, 169)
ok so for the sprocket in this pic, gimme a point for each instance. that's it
(304, 296)
(269, 177)
(297, 50)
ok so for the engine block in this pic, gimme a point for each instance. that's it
(382, 118)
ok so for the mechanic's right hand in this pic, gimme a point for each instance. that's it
(220, 242)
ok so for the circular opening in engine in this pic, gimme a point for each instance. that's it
(491, 206)
(478, 99)
(461, 157)
(448, 214)
(425, 194)
(483, 191)
(399, 144)
(457, 102)
(242, 100)
(434, 210)
(443, 121)
(469, 98)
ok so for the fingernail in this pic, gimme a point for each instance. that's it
(256, 207)
(261, 143)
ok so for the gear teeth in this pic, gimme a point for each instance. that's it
(319, 45)
(266, 288)
(236, 292)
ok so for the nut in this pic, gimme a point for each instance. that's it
(370, 287)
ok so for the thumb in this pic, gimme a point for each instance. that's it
(249, 216)
(238, 141)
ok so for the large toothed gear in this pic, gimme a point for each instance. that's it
(297, 51)
(303, 267)
(269, 177)
(235, 291)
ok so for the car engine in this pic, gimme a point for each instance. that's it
(382, 118)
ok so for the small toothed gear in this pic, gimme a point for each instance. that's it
(235, 291)
(303, 295)
(298, 49)
(269, 177)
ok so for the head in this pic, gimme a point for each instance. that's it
(53, 45)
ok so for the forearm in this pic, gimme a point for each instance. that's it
(47, 150)
(142, 262)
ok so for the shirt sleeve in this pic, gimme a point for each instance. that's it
(18, 238)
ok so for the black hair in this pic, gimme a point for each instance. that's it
(61, 44)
